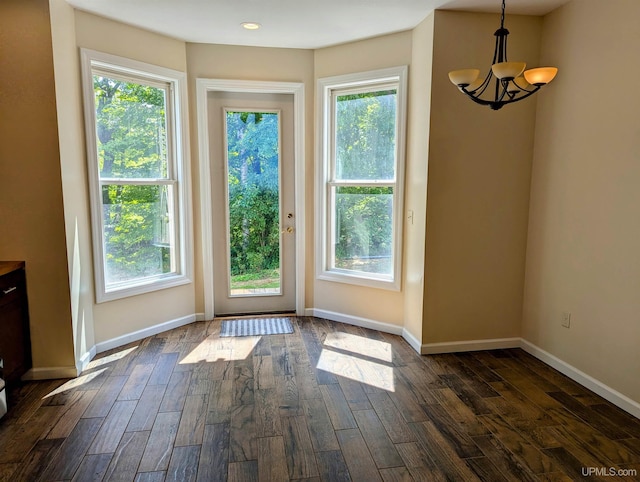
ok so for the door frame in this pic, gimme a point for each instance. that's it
(203, 87)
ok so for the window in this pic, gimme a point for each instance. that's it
(361, 177)
(138, 161)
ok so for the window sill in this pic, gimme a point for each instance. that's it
(354, 278)
(147, 286)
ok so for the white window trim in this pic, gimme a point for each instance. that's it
(177, 80)
(323, 152)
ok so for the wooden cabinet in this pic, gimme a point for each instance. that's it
(15, 342)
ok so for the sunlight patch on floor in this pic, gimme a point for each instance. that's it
(354, 357)
(75, 383)
(109, 358)
(215, 348)
(363, 346)
(358, 369)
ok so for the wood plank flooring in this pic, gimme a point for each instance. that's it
(330, 402)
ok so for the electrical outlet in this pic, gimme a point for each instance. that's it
(566, 319)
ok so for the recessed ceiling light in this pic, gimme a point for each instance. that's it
(251, 25)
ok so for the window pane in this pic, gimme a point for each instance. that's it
(366, 135)
(131, 129)
(253, 157)
(138, 232)
(364, 229)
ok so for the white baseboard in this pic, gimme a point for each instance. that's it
(50, 373)
(200, 317)
(355, 320)
(426, 349)
(412, 340)
(587, 381)
(145, 332)
(85, 359)
(470, 345)
(366, 323)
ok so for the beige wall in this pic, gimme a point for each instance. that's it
(116, 318)
(371, 54)
(377, 53)
(583, 254)
(478, 194)
(251, 63)
(116, 38)
(31, 208)
(416, 176)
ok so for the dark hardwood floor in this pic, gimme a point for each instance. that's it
(329, 402)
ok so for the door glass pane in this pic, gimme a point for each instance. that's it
(366, 135)
(253, 160)
(363, 229)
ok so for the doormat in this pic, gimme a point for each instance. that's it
(256, 326)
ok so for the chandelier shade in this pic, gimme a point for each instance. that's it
(512, 81)
(541, 75)
(464, 77)
(508, 70)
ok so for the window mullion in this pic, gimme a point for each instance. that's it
(358, 183)
(136, 182)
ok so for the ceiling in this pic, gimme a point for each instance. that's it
(306, 24)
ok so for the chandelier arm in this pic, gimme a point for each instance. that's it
(478, 91)
(495, 105)
(522, 89)
(502, 103)
(477, 100)
(500, 49)
(496, 49)
(528, 93)
(502, 84)
(482, 87)
(504, 45)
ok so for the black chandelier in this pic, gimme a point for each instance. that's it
(512, 82)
